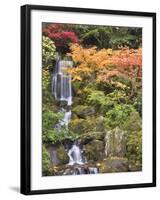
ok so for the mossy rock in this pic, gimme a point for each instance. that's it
(93, 135)
(84, 111)
(99, 123)
(77, 125)
(115, 143)
(74, 116)
(133, 166)
(62, 155)
(113, 164)
(94, 150)
(76, 101)
(81, 126)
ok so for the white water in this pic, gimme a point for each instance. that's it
(93, 170)
(61, 82)
(66, 119)
(62, 89)
(75, 155)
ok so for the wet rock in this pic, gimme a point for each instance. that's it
(74, 169)
(94, 150)
(115, 143)
(52, 149)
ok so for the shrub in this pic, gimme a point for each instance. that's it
(97, 98)
(49, 119)
(134, 147)
(118, 115)
(48, 56)
(53, 136)
(98, 36)
(102, 65)
(45, 161)
(49, 133)
(103, 102)
(61, 36)
(48, 51)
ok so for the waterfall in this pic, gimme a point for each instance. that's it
(75, 155)
(89, 170)
(76, 160)
(62, 91)
(61, 82)
(66, 119)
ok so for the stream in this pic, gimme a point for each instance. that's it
(62, 92)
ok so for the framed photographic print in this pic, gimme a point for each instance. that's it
(88, 99)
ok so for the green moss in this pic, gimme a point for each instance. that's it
(113, 164)
(83, 111)
(118, 115)
(94, 150)
(77, 125)
(115, 143)
(62, 155)
(87, 137)
(81, 126)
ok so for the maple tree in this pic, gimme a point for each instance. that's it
(105, 63)
(61, 36)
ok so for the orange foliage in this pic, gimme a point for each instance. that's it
(105, 63)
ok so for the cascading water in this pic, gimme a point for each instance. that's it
(62, 91)
(61, 82)
(75, 155)
(66, 119)
(76, 159)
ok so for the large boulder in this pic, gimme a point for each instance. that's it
(62, 155)
(99, 124)
(83, 111)
(77, 125)
(94, 150)
(115, 143)
(58, 155)
(89, 136)
(89, 124)
(113, 164)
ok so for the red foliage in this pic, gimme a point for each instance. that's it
(60, 36)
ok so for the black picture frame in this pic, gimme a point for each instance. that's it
(26, 98)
